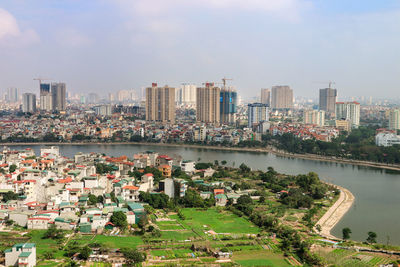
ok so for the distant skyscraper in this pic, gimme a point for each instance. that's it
(12, 95)
(29, 103)
(103, 110)
(228, 103)
(58, 92)
(160, 103)
(93, 98)
(281, 97)
(266, 96)
(208, 104)
(257, 112)
(316, 117)
(394, 119)
(46, 99)
(327, 100)
(187, 94)
(349, 111)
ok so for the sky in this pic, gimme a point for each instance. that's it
(109, 45)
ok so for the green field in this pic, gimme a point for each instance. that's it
(118, 241)
(259, 258)
(43, 245)
(177, 235)
(220, 222)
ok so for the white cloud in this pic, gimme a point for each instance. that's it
(72, 38)
(11, 34)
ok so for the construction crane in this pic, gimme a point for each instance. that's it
(40, 79)
(224, 81)
(330, 83)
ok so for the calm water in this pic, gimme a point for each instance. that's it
(376, 191)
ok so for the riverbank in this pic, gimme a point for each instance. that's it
(394, 167)
(335, 212)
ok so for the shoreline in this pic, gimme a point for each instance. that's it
(335, 213)
(313, 157)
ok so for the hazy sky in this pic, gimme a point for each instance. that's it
(109, 45)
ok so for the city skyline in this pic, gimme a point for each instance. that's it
(108, 46)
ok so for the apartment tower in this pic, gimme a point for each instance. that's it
(327, 100)
(160, 103)
(281, 97)
(208, 104)
(266, 96)
(58, 92)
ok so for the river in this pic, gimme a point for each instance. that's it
(376, 191)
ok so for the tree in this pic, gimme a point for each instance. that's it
(12, 168)
(244, 168)
(223, 162)
(84, 253)
(9, 196)
(118, 218)
(371, 237)
(92, 199)
(346, 233)
(132, 256)
(53, 233)
(262, 199)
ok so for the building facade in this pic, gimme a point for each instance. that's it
(394, 119)
(257, 113)
(281, 97)
(46, 99)
(327, 100)
(266, 96)
(21, 255)
(349, 111)
(29, 103)
(207, 104)
(316, 117)
(228, 103)
(160, 103)
(59, 94)
(103, 110)
(12, 95)
(186, 95)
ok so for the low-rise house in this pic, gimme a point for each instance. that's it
(38, 222)
(21, 255)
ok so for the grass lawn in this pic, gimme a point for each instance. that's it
(220, 222)
(259, 258)
(118, 241)
(43, 245)
(48, 263)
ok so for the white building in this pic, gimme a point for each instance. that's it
(394, 119)
(257, 113)
(103, 110)
(387, 139)
(186, 95)
(21, 255)
(29, 103)
(316, 117)
(349, 111)
(187, 166)
(52, 150)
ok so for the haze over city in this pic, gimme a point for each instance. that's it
(105, 46)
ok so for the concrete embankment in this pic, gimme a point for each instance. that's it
(336, 212)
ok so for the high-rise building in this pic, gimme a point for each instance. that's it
(160, 103)
(327, 100)
(58, 92)
(207, 104)
(281, 97)
(228, 103)
(46, 99)
(103, 110)
(316, 117)
(349, 111)
(186, 94)
(12, 95)
(28, 103)
(394, 119)
(257, 112)
(266, 96)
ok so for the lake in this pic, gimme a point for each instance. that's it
(376, 191)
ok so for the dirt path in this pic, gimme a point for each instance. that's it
(335, 213)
